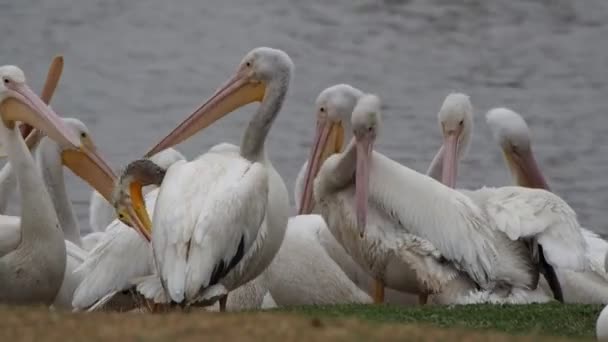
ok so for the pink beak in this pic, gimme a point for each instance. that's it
(364, 151)
(41, 114)
(321, 135)
(450, 164)
(532, 176)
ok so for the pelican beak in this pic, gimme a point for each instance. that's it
(239, 91)
(450, 162)
(86, 162)
(24, 105)
(364, 145)
(32, 137)
(524, 169)
(329, 139)
(135, 213)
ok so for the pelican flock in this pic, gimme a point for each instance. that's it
(218, 231)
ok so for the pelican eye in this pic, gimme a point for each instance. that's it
(248, 64)
(322, 109)
(461, 122)
(83, 134)
(6, 80)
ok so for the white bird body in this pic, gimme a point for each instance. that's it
(235, 214)
(303, 273)
(425, 223)
(117, 255)
(199, 241)
(514, 137)
(121, 256)
(401, 279)
(31, 272)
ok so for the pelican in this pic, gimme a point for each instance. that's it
(105, 271)
(219, 220)
(423, 222)
(514, 138)
(339, 101)
(456, 123)
(8, 180)
(32, 271)
(50, 162)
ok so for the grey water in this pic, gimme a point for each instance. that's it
(134, 69)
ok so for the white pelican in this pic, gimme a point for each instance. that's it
(104, 271)
(339, 102)
(404, 202)
(32, 271)
(220, 219)
(8, 180)
(513, 136)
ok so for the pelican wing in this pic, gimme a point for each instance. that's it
(448, 220)
(597, 250)
(539, 214)
(208, 213)
(121, 256)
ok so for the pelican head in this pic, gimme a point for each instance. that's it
(513, 135)
(261, 72)
(334, 106)
(456, 122)
(365, 122)
(128, 199)
(19, 103)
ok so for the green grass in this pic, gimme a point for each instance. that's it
(543, 319)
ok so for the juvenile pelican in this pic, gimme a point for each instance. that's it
(403, 202)
(514, 138)
(32, 272)
(220, 219)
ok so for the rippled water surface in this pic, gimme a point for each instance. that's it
(135, 68)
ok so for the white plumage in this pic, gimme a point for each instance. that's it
(205, 223)
(403, 202)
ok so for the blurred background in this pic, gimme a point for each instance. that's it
(134, 69)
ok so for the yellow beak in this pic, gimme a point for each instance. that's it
(237, 92)
(329, 139)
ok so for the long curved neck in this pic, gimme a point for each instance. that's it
(342, 168)
(252, 145)
(37, 212)
(49, 159)
(8, 183)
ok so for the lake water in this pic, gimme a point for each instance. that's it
(135, 68)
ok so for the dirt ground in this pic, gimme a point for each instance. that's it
(34, 324)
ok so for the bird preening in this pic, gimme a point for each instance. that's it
(217, 230)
